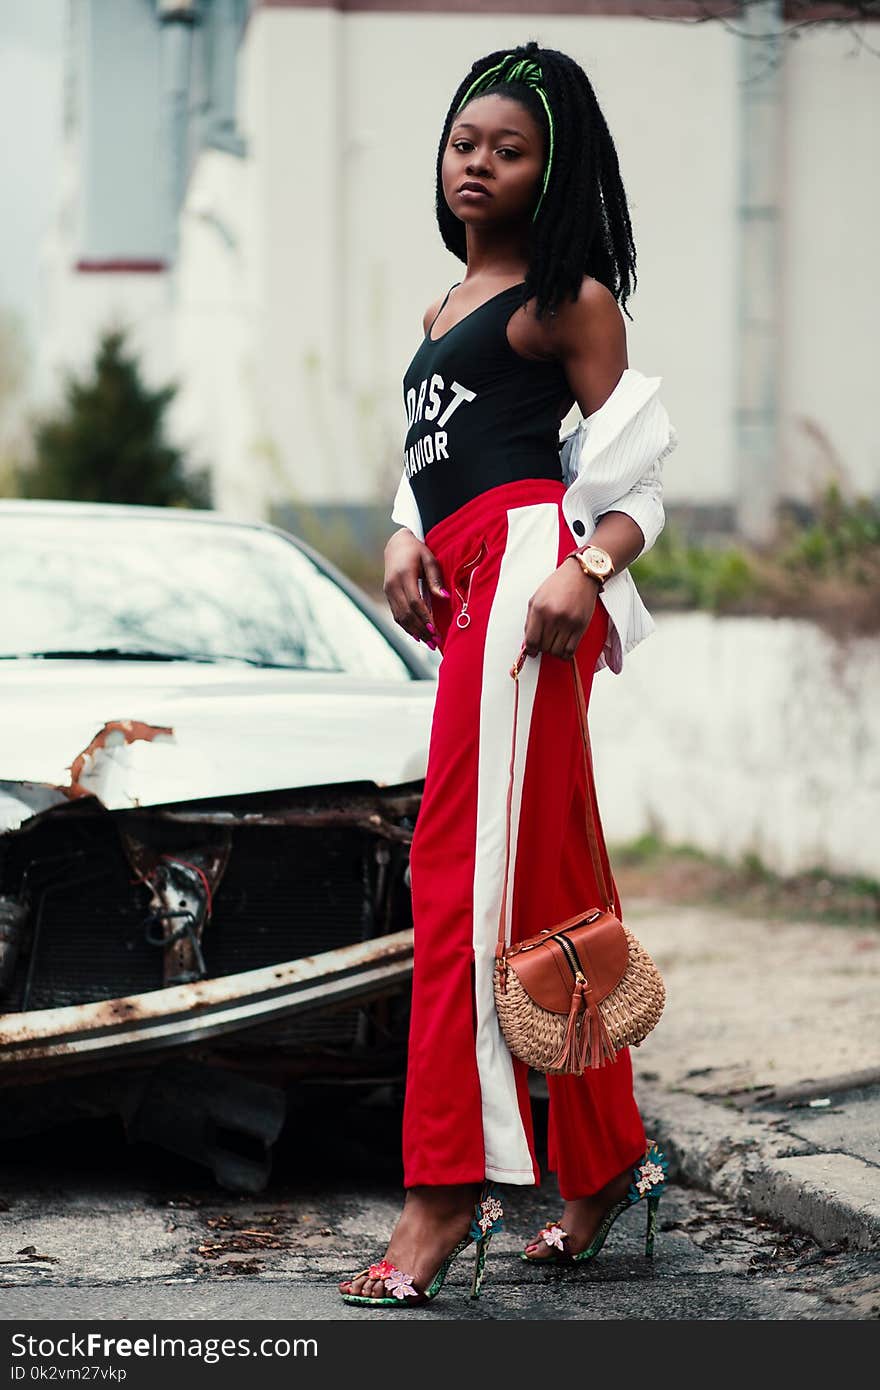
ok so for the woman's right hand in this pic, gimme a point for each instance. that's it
(407, 560)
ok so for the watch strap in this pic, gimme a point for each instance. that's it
(597, 579)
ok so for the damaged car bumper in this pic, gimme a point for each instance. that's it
(126, 932)
(194, 1013)
(269, 942)
(211, 762)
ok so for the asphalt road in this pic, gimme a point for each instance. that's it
(92, 1227)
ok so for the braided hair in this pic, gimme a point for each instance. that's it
(582, 224)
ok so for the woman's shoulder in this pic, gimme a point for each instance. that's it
(432, 311)
(594, 311)
(434, 308)
(590, 324)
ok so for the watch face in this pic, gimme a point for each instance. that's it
(597, 559)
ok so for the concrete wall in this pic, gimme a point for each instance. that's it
(744, 735)
(831, 284)
(292, 342)
(216, 417)
(82, 306)
(345, 253)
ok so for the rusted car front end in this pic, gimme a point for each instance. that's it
(204, 901)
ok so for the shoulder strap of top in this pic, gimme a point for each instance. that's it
(443, 305)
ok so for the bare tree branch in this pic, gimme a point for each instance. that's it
(796, 16)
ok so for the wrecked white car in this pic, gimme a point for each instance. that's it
(212, 751)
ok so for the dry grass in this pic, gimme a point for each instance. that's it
(651, 869)
(827, 571)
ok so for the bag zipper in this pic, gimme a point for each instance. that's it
(569, 950)
(463, 619)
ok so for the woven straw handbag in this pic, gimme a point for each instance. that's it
(573, 995)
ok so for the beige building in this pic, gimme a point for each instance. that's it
(307, 248)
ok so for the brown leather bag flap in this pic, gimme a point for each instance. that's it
(543, 969)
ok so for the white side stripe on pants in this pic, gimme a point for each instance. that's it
(530, 555)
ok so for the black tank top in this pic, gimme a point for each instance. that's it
(478, 413)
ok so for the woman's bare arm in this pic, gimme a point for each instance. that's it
(588, 337)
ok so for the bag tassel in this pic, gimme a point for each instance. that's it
(601, 1047)
(571, 1055)
(586, 1042)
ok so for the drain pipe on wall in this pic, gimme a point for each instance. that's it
(176, 20)
(759, 268)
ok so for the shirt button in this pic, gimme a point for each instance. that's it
(578, 527)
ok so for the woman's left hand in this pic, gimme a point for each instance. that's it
(560, 611)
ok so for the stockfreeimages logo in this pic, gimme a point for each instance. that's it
(95, 1345)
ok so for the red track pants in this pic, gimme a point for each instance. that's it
(467, 1112)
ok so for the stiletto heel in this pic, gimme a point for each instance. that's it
(480, 1265)
(653, 1204)
(487, 1219)
(648, 1181)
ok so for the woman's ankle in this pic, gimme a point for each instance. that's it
(449, 1198)
(619, 1181)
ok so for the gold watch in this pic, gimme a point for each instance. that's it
(595, 562)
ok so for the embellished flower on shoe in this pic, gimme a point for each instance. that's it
(553, 1235)
(396, 1283)
(400, 1285)
(488, 1218)
(649, 1175)
(651, 1172)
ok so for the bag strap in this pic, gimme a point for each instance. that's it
(592, 810)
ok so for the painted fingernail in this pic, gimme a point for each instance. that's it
(431, 628)
(432, 645)
(444, 592)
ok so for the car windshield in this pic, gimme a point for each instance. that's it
(115, 585)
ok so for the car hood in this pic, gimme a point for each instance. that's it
(135, 734)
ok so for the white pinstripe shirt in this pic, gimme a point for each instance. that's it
(612, 461)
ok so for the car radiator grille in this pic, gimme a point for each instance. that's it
(287, 892)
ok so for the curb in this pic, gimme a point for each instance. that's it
(750, 1160)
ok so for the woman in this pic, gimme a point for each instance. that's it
(529, 196)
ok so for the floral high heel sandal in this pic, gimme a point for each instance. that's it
(648, 1181)
(487, 1219)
